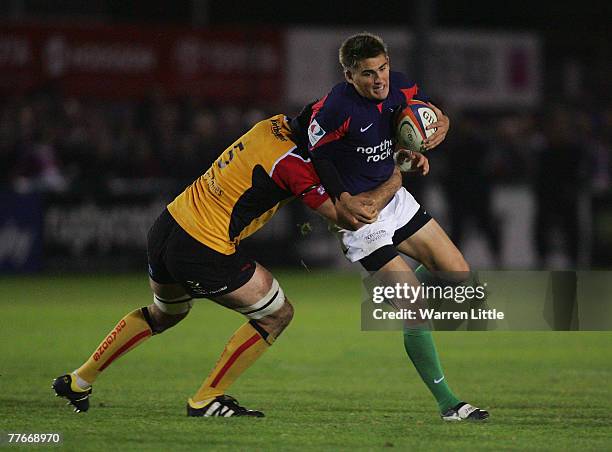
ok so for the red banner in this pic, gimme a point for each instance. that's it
(130, 61)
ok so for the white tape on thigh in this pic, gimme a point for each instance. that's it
(269, 304)
(173, 306)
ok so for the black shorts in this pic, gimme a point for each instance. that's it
(418, 220)
(176, 257)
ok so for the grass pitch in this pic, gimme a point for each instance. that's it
(324, 385)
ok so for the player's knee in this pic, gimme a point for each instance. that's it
(455, 270)
(461, 271)
(272, 313)
(270, 307)
(158, 320)
(272, 325)
(277, 321)
(284, 315)
(462, 265)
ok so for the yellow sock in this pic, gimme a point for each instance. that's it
(131, 331)
(242, 350)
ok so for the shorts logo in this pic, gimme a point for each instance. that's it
(374, 236)
(196, 288)
(315, 132)
(321, 190)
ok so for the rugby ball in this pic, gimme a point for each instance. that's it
(411, 123)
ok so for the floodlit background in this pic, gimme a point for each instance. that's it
(108, 109)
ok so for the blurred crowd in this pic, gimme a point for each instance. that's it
(57, 144)
(562, 153)
(50, 143)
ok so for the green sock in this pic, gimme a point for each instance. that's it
(429, 279)
(421, 349)
(425, 276)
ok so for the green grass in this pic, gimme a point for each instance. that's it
(324, 385)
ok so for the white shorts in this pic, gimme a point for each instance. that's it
(396, 214)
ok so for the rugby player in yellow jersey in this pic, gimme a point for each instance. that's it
(194, 252)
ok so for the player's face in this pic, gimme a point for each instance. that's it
(371, 77)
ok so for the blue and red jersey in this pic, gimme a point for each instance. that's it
(356, 134)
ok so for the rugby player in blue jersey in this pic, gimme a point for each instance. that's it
(351, 141)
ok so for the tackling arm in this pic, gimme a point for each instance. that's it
(381, 195)
(329, 211)
(354, 209)
(377, 198)
(351, 210)
(311, 133)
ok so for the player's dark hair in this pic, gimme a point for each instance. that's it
(359, 47)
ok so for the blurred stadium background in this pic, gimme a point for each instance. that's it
(109, 108)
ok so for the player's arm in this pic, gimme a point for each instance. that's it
(310, 134)
(321, 143)
(443, 124)
(408, 161)
(329, 211)
(356, 209)
(380, 196)
(296, 175)
(411, 91)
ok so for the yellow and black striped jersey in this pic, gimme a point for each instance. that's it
(246, 185)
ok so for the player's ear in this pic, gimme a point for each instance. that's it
(348, 75)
